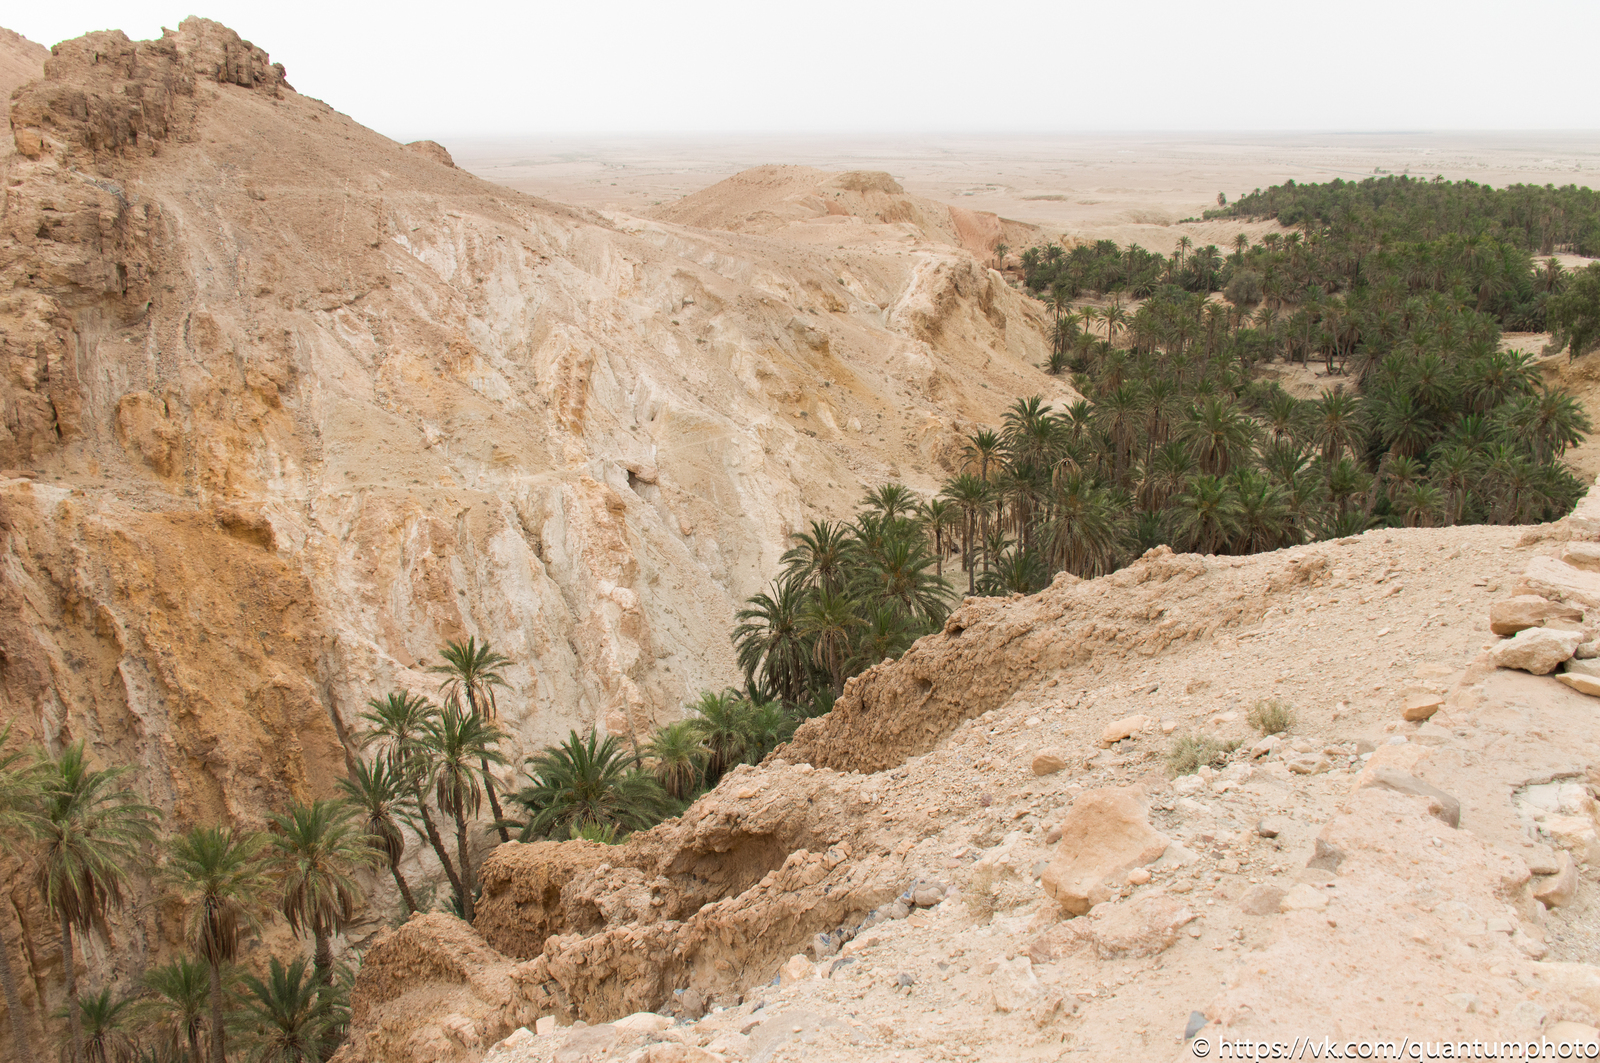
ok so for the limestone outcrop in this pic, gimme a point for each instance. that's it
(286, 405)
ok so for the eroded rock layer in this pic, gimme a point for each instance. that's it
(285, 406)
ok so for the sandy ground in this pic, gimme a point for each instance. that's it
(1130, 187)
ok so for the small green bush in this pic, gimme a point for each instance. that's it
(1244, 289)
(1271, 716)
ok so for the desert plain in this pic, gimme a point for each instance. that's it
(1124, 187)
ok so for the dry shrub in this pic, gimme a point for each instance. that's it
(1190, 751)
(1271, 716)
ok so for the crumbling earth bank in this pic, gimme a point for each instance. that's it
(1377, 870)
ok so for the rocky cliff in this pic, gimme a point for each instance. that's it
(287, 405)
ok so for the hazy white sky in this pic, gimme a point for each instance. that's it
(477, 67)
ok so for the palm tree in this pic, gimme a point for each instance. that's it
(219, 874)
(898, 573)
(473, 671)
(91, 838)
(982, 447)
(970, 494)
(1336, 423)
(1400, 421)
(770, 640)
(820, 556)
(883, 634)
(458, 742)
(1086, 532)
(1262, 511)
(19, 778)
(767, 725)
(938, 515)
(177, 1003)
(828, 621)
(384, 797)
(1208, 515)
(584, 783)
(289, 1017)
(1419, 503)
(401, 721)
(317, 851)
(1115, 318)
(720, 720)
(1219, 434)
(1454, 471)
(1017, 571)
(101, 1019)
(1549, 422)
(680, 758)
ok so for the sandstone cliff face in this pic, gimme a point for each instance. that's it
(285, 405)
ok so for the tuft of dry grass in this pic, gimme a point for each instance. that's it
(1190, 751)
(1271, 716)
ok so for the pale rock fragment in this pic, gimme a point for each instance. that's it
(1014, 984)
(1309, 764)
(1537, 649)
(1303, 897)
(1584, 555)
(797, 969)
(1266, 747)
(672, 1052)
(1262, 900)
(1144, 926)
(1557, 890)
(1581, 682)
(1127, 727)
(643, 1021)
(1440, 804)
(1525, 611)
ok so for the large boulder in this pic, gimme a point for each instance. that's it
(1537, 649)
(1528, 610)
(1106, 835)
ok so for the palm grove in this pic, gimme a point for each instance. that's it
(1397, 288)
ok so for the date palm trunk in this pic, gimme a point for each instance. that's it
(467, 907)
(219, 1042)
(405, 889)
(435, 840)
(69, 968)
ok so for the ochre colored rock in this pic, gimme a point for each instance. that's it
(1047, 764)
(1104, 836)
(1421, 704)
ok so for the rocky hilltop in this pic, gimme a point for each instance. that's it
(287, 405)
(987, 851)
